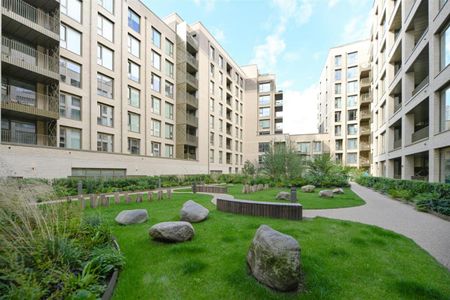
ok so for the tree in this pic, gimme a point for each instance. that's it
(323, 171)
(249, 168)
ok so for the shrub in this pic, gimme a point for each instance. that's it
(401, 194)
(439, 205)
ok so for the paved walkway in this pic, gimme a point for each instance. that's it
(428, 231)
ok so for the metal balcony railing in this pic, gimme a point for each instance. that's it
(420, 134)
(27, 138)
(32, 14)
(29, 58)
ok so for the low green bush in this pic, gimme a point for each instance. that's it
(440, 206)
(401, 194)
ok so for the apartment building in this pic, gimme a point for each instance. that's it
(340, 96)
(410, 55)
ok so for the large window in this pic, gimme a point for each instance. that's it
(155, 128)
(264, 87)
(337, 130)
(70, 106)
(155, 83)
(337, 88)
(105, 86)
(70, 72)
(107, 4)
(338, 60)
(72, 9)
(156, 149)
(156, 106)
(156, 38)
(445, 165)
(69, 138)
(338, 74)
(169, 89)
(134, 146)
(263, 147)
(104, 142)
(338, 103)
(264, 124)
(352, 129)
(304, 147)
(169, 150)
(134, 71)
(134, 46)
(156, 60)
(445, 47)
(169, 48)
(352, 58)
(352, 87)
(352, 115)
(352, 101)
(105, 28)
(445, 109)
(134, 21)
(212, 53)
(134, 122)
(134, 97)
(105, 115)
(264, 100)
(352, 72)
(352, 144)
(351, 158)
(105, 56)
(169, 111)
(168, 131)
(169, 69)
(70, 39)
(317, 147)
(264, 112)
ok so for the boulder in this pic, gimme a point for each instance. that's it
(338, 191)
(308, 188)
(193, 212)
(172, 231)
(132, 216)
(326, 194)
(283, 196)
(274, 259)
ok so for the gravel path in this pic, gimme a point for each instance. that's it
(428, 231)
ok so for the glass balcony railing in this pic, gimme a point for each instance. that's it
(19, 96)
(27, 138)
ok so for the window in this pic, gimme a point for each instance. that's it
(221, 109)
(134, 96)
(134, 71)
(155, 128)
(156, 149)
(211, 138)
(337, 116)
(352, 72)
(169, 111)
(352, 129)
(134, 122)
(134, 146)
(352, 58)
(317, 147)
(352, 101)
(155, 83)
(104, 142)
(221, 62)
(105, 86)
(107, 4)
(156, 60)
(220, 77)
(105, 115)
(211, 156)
(169, 151)
(212, 53)
(72, 9)
(105, 56)
(338, 60)
(211, 105)
(211, 87)
(70, 106)
(445, 109)
(338, 103)
(169, 48)
(169, 69)
(105, 28)
(156, 106)
(264, 87)
(264, 100)
(69, 138)
(352, 115)
(156, 38)
(264, 124)
(211, 70)
(134, 21)
(351, 144)
(264, 112)
(445, 47)
(352, 87)
(221, 141)
(169, 89)
(338, 74)
(351, 158)
(169, 131)
(337, 130)
(211, 122)
(337, 88)
(70, 39)
(304, 147)
(263, 147)
(70, 72)
(134, 46)
(339, 145)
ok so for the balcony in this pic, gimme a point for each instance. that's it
(420, 86)
(364, 84)
(365, 98)
(192, 60)
(364, 147)
(364, 70)
(364, 162)
(364, 114)
(191, 139)
(278, 102)
(191, 79)
(26, 138)
(24, 101)
(397, 144)
(364, 130)
(188, 99)
(27, 58)
(191, 120)
(20, 12)
(192, 41)
(278, 115)
(420, 134)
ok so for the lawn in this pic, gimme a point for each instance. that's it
(341, 260)
(308, 200)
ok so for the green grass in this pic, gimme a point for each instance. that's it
(340, 260)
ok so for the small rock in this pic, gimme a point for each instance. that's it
(193, 212)
(132, 216)
(338, 191)
(172, 231)
(326, 194)
(308, 188)
(274, 259)
(283, 196)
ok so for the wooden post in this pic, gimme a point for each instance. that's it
(160, 195)
(169, 194)
(116, 198)
(150, 196)
(139, 198)
(82, 201)
(102, 199)
(127, 198)
(93, 200)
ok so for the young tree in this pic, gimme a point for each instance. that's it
(249, 168)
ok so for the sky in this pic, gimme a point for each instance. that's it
(289, 38)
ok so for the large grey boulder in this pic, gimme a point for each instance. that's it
(193, 212)
(326, 194)
(308, 188)
(338, 191)
(274, 259)
(283, 196)
(172, 231)
(132, 216)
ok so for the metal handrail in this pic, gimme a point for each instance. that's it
(27, 138)
(22, 96)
